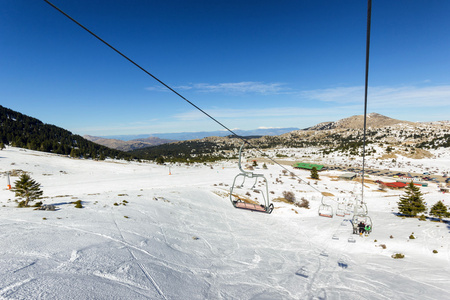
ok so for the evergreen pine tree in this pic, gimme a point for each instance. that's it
(411, 203)
(73, 153)
(27, 189)
(439, 210)
(314, 173)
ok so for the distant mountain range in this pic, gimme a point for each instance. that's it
(134, 142)
(345, 135)
(184, 136)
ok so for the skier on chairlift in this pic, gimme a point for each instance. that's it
(361, 227)
(367, 229)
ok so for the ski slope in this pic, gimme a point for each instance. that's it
(179, 237)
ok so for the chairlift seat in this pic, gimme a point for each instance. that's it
(325, 211)
(250, 206)
(340, 213)
(326, 214)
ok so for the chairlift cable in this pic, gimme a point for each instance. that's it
(369, 13)
(360, 214)
(142, 69)
(173, 90)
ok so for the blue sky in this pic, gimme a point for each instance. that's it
(250, 64)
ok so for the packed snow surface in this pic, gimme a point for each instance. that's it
(149, 231)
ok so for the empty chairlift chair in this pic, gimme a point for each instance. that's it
(349, 208)
(340, 211)
(240, 201)
(325, 210)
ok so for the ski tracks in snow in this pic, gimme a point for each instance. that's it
(141, 266)
(13, 286)
(327, 274)
(75, 255)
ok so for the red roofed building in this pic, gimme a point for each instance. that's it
(394, 185)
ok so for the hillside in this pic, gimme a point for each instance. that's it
(374, 120)
(145, 234)
(19, 130)
(384, 134)
(344, 136)
(204, 150)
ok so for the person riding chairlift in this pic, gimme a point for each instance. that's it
(361, 227)
(367, 229)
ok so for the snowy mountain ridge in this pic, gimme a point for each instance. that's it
(347, 136)
(374, 120)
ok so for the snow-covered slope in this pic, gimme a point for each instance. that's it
(178, 237)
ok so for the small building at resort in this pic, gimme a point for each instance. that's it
(399, 184)
(307, 166)
(348, 176)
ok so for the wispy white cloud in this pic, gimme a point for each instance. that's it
(413, 96)
(431, 96)
(435, 96)
(412, 103)
(244, 87)
(335, 103)
(158, 88)
(339, 94)
(269, 112)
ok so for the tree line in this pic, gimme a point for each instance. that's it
(23, 131)
(188, 151)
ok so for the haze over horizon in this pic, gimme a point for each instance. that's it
(274, 64)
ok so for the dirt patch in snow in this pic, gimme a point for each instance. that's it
(327, 194)
(366, 180)
(388, 156)
(281, 199)
(418, 154)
